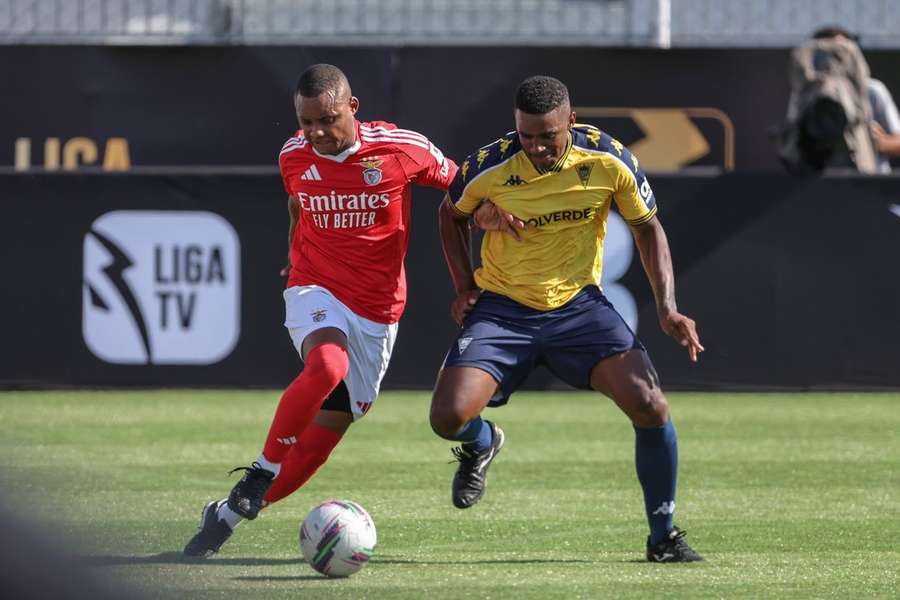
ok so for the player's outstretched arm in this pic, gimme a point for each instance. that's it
(657, 260)
(456, 240)
(491, 217)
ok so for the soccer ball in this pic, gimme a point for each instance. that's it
(337, 538)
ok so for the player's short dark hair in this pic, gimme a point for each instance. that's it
(319, 79)
(832, 31)
(540, 94)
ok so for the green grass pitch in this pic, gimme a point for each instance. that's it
(787, 496)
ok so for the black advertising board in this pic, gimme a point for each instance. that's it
(118, 107)
(165, 280)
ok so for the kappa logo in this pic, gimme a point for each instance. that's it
(161, 287)
(372, 174)
(318, 315)
(514, 180)
(617, 145)
(311, 174)
(666, 508)
(463, 343)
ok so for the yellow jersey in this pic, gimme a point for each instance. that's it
(565, 208)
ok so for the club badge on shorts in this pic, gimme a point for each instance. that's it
(371, 172)
(318, 315)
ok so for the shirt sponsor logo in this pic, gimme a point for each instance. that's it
(161, 287)
(343, 211)
(561, 215)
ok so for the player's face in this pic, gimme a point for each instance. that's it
(328, 120)
(544, 137)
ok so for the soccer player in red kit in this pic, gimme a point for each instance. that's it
(348, 184)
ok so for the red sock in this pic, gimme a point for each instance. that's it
(306, 456)
(325, 367)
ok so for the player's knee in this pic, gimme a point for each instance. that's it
(443, 424)
(446, 421)
(650, 409)
(328, 362)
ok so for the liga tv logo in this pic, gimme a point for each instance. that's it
(161, 287)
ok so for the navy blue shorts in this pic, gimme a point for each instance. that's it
(509, 340)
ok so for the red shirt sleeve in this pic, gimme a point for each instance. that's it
(284, 175)
(284, 161)
(426, 165)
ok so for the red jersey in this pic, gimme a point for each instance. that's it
(353, 229)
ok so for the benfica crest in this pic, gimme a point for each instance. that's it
(371, 172)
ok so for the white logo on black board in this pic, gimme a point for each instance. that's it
(618, 251)
(161, 287)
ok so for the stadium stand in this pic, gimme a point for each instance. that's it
(659, 23)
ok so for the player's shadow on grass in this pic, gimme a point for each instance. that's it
(171, 558)
(282, 578)
(395, 560)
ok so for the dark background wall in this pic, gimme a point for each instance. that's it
(232, 105)
(792, 281)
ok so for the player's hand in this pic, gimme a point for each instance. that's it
(879, 136)
(683, 330)
(463, 305)
(491, 217)
(285, 271)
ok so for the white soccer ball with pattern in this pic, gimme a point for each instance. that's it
(337, 538)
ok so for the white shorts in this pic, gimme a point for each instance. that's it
(369, 344)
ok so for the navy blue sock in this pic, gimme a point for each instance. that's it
(656, 459)
(475, 435)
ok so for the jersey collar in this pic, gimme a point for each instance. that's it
(346, 153)
(556, 168)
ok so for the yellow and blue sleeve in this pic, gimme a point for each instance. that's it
(633, 194)
(473, 181)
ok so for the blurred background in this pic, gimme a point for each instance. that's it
(144, 222)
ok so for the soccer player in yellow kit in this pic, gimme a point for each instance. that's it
(536, 298)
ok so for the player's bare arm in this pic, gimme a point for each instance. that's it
(885, 142)
(491, 217)
(293, 214)
(456, 240)
(657, 260)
